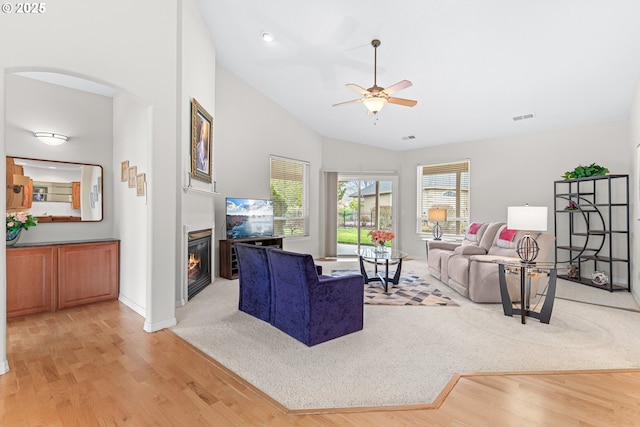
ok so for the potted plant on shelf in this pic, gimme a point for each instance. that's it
(586, 171)
(16, 222)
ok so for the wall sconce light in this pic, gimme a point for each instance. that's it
(51, 138)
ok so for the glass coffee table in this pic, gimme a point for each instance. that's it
(381, 257)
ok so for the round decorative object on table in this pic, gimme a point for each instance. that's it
(599, 278)
(13, 236)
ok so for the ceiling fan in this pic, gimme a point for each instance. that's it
(377, 97)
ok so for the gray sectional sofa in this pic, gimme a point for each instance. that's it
(470, 267)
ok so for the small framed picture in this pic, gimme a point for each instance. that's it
(124, 171)
(140, 182)
(133, 171)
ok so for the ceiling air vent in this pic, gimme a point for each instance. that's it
(523, 117)
(407, 138)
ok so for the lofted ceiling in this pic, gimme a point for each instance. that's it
(474, 64)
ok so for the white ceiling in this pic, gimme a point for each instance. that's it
(474, 64)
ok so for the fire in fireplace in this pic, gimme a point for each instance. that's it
(198, 261)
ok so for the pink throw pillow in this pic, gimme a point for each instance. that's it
(508, 234)
(474, 227)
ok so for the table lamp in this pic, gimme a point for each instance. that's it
(527, 218)
(437, 215)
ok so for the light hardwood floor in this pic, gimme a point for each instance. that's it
(95, 366)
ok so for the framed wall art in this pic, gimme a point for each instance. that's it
(124, 171)
(201, 142)
(133, 171)
(140, 181)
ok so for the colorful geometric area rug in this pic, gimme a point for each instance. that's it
(410, 290)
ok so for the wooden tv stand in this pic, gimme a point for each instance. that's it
(228, 260)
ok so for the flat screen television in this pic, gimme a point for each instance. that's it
(249, 218)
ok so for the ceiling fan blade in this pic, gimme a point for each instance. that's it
(348, 102)
(398, 86)
(357, 88)
(402, 101)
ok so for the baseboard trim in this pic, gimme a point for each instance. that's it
(4, 367)
(158, 326)
(133, 305)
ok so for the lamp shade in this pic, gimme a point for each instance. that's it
(528, 218)
(437, 215)
(375, 103)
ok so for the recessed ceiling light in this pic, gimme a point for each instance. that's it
(268, 37)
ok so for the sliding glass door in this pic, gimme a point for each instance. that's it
(364, 204)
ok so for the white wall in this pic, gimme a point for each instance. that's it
(633, 157)
(131, 46)
(86, 118)
(198, 71)
(249, 128)
(132, 124)
(515, 170)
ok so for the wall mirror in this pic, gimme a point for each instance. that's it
(54, 191)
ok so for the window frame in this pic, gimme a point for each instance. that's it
(304, 217)
(422, 206)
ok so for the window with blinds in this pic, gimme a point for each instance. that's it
(444, 186)
(288, 182)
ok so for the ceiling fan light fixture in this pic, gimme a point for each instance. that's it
(374, 103)
(376, 96)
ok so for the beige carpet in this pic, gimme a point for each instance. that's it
(404, 355)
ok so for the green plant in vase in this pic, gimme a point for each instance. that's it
(16, 222)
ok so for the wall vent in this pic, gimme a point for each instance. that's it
(523, 117)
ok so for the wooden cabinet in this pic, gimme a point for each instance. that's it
(228, 260)
(75, 195)
(31, 275)
(43, 278)
(19, 187)
(87, 273)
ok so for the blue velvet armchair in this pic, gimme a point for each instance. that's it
(311, 308)
(254, 280)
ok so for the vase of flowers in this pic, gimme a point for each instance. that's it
(380, 238)
(16, 222)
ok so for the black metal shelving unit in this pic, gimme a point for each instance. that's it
(592, 229)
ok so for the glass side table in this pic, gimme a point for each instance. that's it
(381, 256)
(541, 275)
